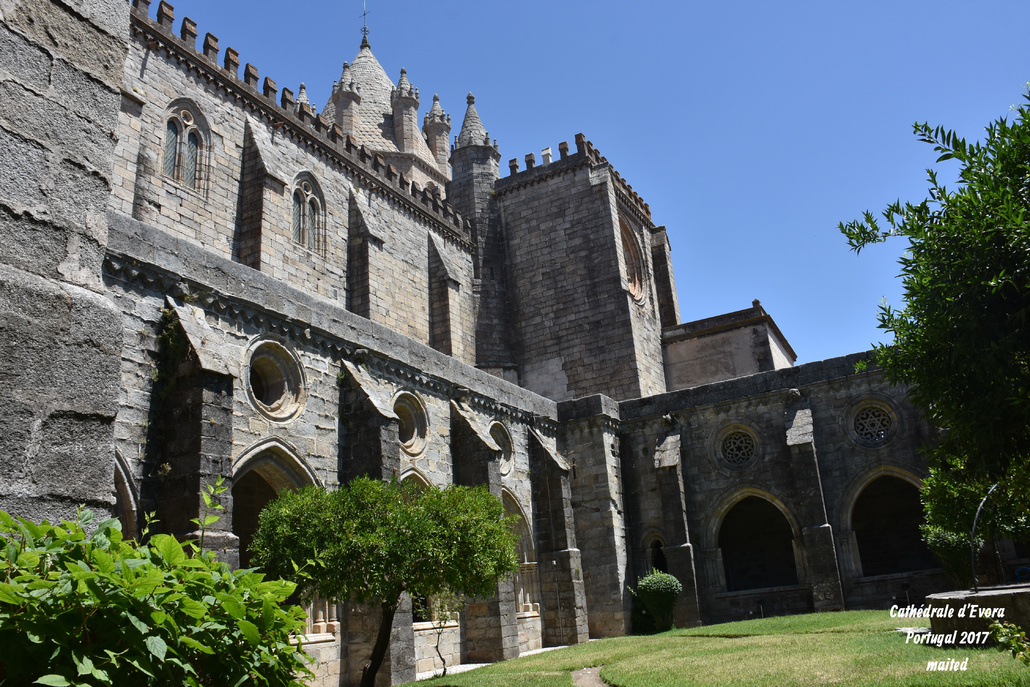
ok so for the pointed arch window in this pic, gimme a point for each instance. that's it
(634, 263)
(308, 217)
(183, 148)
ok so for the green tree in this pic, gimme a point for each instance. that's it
(93, 609)
(962, 341)
(372, 541)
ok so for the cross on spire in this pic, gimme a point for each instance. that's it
(364, 20)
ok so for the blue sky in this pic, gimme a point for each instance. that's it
(751, 128)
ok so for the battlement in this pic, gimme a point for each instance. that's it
(292, 116)
(585, 153)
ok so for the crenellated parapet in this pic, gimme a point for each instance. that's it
(586, 154)
(293, 117)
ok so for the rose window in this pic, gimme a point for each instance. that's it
(738, 448)
(872, 425)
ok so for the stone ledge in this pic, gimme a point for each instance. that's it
(138, 245)
(970, 611)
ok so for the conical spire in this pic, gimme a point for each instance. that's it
(302, 96)
(437, 128)
(371, 81)
(472, 130)
(436, 113)
(404, 90)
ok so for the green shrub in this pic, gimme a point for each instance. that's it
(1012, 639)
(658, 592)
(92, 609)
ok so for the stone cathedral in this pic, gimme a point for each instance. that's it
(203, 276)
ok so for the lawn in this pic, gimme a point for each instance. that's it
(856, 648)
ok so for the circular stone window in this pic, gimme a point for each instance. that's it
(412, 422)
(275, 381)
(736, 447)
(501, 437)
(871, 423)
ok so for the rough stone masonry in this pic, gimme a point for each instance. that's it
(202, 276)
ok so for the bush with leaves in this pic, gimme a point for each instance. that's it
(373, 541)
(658, 592)
(93, 609)
(1012, 639)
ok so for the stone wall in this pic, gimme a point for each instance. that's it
(430, 636)
(790, 439)
(240, 204)
(727, 346)
(60, 74)
(590, 444)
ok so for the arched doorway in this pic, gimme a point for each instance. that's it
(886, 519)
(423, 608)
(259, 474)
(656, 556)
(757, 546)
(250, 494)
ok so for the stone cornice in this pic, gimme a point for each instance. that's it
(135, 255)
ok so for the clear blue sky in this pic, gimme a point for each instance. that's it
(751, 128)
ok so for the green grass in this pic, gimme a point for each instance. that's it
(856, 648)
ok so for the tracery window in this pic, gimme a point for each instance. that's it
(308, 214)
(183, 148)
(412, 422)
(738, 448)
(872, 424)
(634, 263)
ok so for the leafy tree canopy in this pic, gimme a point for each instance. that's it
(372, 541)
(962, 341)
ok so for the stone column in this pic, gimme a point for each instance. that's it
(563, 609)
(360, 624)
(653, 481)
(192, 444)
(490, 627)
(370, 447)
(590, 445)
(823, 571)
(679, 553)
(369, 443)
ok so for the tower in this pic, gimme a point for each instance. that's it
(345, 101)
(585, 302)
(437, 128)
(404, 101)
(474, 172)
